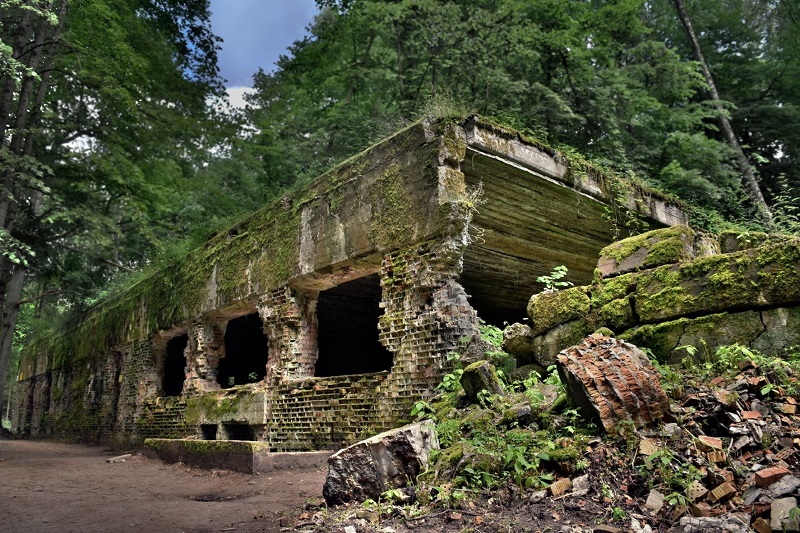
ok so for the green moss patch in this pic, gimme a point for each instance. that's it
(549, 309)
(654, 248)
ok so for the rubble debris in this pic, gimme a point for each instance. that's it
(782, 518)
(386, 461)
(612, 381)
(733, 523)
(518, 341)
(480, 376)
(768, 476)
(559, 487)
(716, 465)
(655, 501)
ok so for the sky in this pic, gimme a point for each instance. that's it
(255, 33)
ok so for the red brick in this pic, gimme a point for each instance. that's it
(706, 444)
(768, 476)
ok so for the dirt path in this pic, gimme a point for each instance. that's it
(50, 486)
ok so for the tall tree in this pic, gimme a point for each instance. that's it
(29, 39)
(749, 178)
(118, 129)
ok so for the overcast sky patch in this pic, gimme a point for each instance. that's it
(255, 33)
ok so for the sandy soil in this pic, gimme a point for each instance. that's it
(49, 486)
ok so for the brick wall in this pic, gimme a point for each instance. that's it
(318, 413)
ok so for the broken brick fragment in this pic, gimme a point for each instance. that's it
(768, 476)
(722, 493)
(707, 444)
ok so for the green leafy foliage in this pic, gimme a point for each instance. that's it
(553, 281)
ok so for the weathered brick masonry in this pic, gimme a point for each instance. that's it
(323, 317)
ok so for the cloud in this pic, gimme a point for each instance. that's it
(255, 33)
(236, 95)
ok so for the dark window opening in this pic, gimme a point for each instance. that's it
(238, 432)
(175, 366)
(246, 349)
(208, 431)
(347, 318)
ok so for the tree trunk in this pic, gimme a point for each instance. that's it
(8, 322)
(26, 96)
(748, 177)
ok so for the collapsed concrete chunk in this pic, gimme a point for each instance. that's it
(654, 248)
(386, 461)
(480, 376)
(549, 309)
(761, 277)
(517, 340)
(547, 346)
(612, 381)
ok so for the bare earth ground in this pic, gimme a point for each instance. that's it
(48, 486)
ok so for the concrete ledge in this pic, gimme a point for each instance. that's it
(245, 456)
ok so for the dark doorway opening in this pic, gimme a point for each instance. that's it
(175, 366)
(347, 317)
(246, 350)
(208, 431)
(238, 432)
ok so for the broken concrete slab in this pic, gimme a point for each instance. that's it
(385, 461)
(781, 518)
(786, 485)
(648, 250)
(480, 376)
(238, 455)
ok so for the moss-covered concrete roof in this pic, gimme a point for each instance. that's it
(398, 192)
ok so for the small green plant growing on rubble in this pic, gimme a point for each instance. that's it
(552, 282)
(422, 410)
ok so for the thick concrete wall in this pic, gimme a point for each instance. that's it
(408, 211)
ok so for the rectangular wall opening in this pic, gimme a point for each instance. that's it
(208, 431)
(246, 350)
(175, 366)
(347, 320)
(238, 432)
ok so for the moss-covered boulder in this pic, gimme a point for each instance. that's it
(549, 309)
(648, 250)
(480, 376)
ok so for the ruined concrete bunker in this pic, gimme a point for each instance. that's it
(322, 317)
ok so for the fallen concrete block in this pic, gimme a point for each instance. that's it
(480, 376)
(517, 340)
(386, 461)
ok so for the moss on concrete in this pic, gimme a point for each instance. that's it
(549, 309)
(612, 289)
(617, 314)
(761, 277)
(655, 248)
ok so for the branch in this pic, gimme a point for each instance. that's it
(101, 259)
(41, 296)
